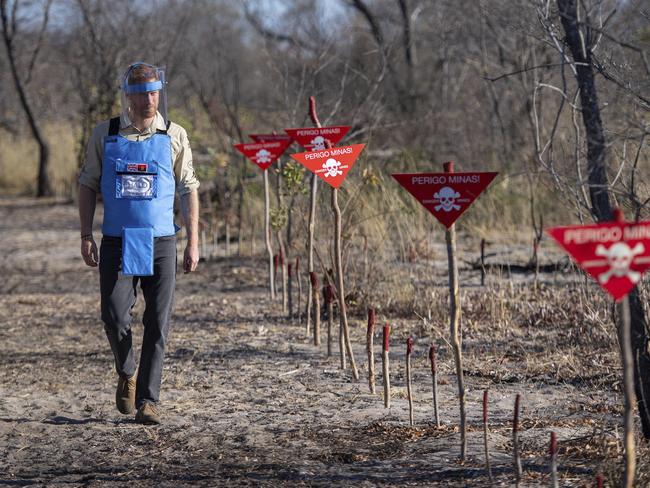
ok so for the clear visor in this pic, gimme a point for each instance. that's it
(129, 90)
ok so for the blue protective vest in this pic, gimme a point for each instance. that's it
(138, 184)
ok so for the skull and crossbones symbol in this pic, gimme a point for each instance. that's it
(619, 258)
(263, 156)
(447, 197)
(331, 167)
(318, 143)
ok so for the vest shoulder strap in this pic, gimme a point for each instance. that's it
(114, 126)
(164, 132)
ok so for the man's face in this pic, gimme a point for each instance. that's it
(144, 104)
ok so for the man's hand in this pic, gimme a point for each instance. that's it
(190, 258)
(89, 252)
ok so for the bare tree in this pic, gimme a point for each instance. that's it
(9, 20)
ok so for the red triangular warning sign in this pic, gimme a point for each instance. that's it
(263, 154)
(616, 254)
(445, 195)
(270, 137)
(318, 138)
(331, 165)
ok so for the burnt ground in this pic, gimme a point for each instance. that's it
(249, 401)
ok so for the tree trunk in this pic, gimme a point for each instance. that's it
(579, 43)
(44, 187)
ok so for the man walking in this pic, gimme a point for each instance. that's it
(138, 161)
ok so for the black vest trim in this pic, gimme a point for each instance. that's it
(114, 126)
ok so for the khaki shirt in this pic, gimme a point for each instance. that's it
(186, 180)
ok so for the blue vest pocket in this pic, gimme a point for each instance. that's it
(137, 251)
(136, 180)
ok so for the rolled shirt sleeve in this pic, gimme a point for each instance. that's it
(186, 179)
(91, 171)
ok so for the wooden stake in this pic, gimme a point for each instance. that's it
(553, 454)
(313, 277)
(343, 316)
(536, 261)
(628, 381)
(482, 262)
(454, 321)
(290, 289)
(276, 265)
(434, 377)
(486, 446)
(283, 268)
(370, 347)
(267, 235)
(409, 388)
(312, 219)
(329, 298)
(515, 441)
(299, 308)
(385, 366)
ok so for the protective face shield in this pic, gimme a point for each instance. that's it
(141, 78)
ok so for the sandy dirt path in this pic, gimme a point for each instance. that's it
(246, 399)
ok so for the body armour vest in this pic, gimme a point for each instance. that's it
(137, 183)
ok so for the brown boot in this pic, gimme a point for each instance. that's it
(148, 414)
(125, 395)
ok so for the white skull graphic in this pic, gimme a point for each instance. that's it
(331, 167)
(619, 258)
(318, 143)
(263, 156)
(447, 197)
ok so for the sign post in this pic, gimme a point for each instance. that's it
(314, 139)
(332, 165)
(284, 258)
(447, 195)
(263, 155)
(615, 254)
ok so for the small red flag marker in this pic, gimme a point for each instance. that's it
(318, 138)
(445, 195)
(263, 154)
(616, 253)
(330, 165)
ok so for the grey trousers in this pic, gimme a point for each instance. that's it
(118, 295)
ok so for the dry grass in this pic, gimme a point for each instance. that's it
(19, 161)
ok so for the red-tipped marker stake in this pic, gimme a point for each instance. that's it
(553, 454)
(515, 441)
(434, 378)
(409, 389)
(599, 480)
(370, 333)
(316, 295)
(329, 299)
(485, 436)
(385, 366)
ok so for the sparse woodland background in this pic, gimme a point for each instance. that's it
(489, 84)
